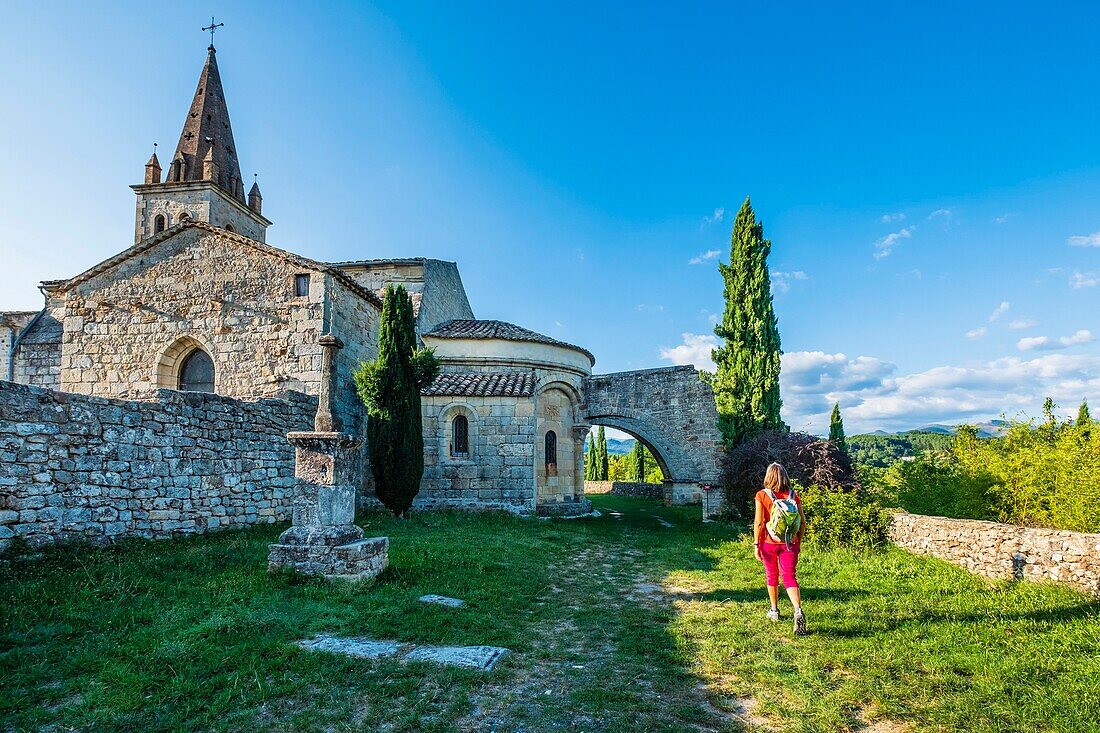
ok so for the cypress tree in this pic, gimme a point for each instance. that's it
(746, 384)
(591, 459)
(638, 461)
(390, 388)
(604, 470)
(836, 430)
(1083, 417)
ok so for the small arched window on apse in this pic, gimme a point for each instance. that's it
(197, 372)
(184, 217)
(551, 451)
(460, 437)
(159, 224)
(229, 228)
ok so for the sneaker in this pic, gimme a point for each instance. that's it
(799, 623)
(773, 614)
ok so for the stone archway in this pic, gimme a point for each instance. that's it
(672, 411)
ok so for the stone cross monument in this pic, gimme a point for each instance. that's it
(324, 539)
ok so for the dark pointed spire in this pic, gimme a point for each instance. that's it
(255, 198)
(207, 133)
(152, 168)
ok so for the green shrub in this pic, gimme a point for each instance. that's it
(853, 519)
(938, 486)
(1044, 475)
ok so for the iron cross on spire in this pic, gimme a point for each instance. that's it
(213, 27)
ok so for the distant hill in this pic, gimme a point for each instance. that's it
(881, 449)
(990, 429)
(616, 447)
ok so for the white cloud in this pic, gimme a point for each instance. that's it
(892, 218)
(1045, 343)
(875, 397)
(717, 216)
(781, 281)
(999, 311)
(1080, 279)
(710, 254)
(711, 317)
(647, 308)
(976, 333)
(1021, 323)
(941, 214)
(1086, 240)
(1002, 218)
(694, 349)
(885, 246)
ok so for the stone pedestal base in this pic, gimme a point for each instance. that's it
(324, 540)
(360, 559)
(682, 494)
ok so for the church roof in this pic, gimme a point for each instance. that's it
(472, 328)
(151, 242)
(463, 384)
(207, 132)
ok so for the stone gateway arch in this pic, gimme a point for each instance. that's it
(672, 411)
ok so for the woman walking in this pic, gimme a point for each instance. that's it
(777, 531)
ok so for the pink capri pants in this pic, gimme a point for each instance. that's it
(778, 559)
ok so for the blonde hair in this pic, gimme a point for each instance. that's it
(775, 478)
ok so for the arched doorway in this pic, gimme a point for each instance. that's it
(187, 365)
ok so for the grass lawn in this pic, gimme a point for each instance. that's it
(617, 624)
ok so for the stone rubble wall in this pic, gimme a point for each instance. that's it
(626, 488)
(74, 467)
(1003, 550)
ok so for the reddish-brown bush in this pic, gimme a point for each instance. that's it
(809, 461)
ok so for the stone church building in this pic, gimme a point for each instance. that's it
(200, 303)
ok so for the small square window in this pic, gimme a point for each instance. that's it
(301, 286)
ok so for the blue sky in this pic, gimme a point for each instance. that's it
(916, 166)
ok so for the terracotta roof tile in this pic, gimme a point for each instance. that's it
(463, 384)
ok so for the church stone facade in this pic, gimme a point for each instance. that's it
(201, 304)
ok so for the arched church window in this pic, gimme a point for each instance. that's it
(159, 224)
(184, 216)
(197, 372)
(229, 228)
(551, 451)
(460, 436)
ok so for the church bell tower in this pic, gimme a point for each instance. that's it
(204, 177)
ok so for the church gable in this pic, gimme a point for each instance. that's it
(256, 311)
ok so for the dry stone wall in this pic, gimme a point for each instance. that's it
(626, 488)
(1003, 550)
(90, 468)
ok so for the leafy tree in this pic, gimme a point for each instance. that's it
(390, 387)
(746, 384)
(601, 439)
(1083, 417)
(836, 430)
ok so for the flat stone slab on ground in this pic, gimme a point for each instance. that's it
(361, 647)
(470, 657)
(351, 646)
(442, 600)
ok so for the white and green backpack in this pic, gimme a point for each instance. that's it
(784, 520)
